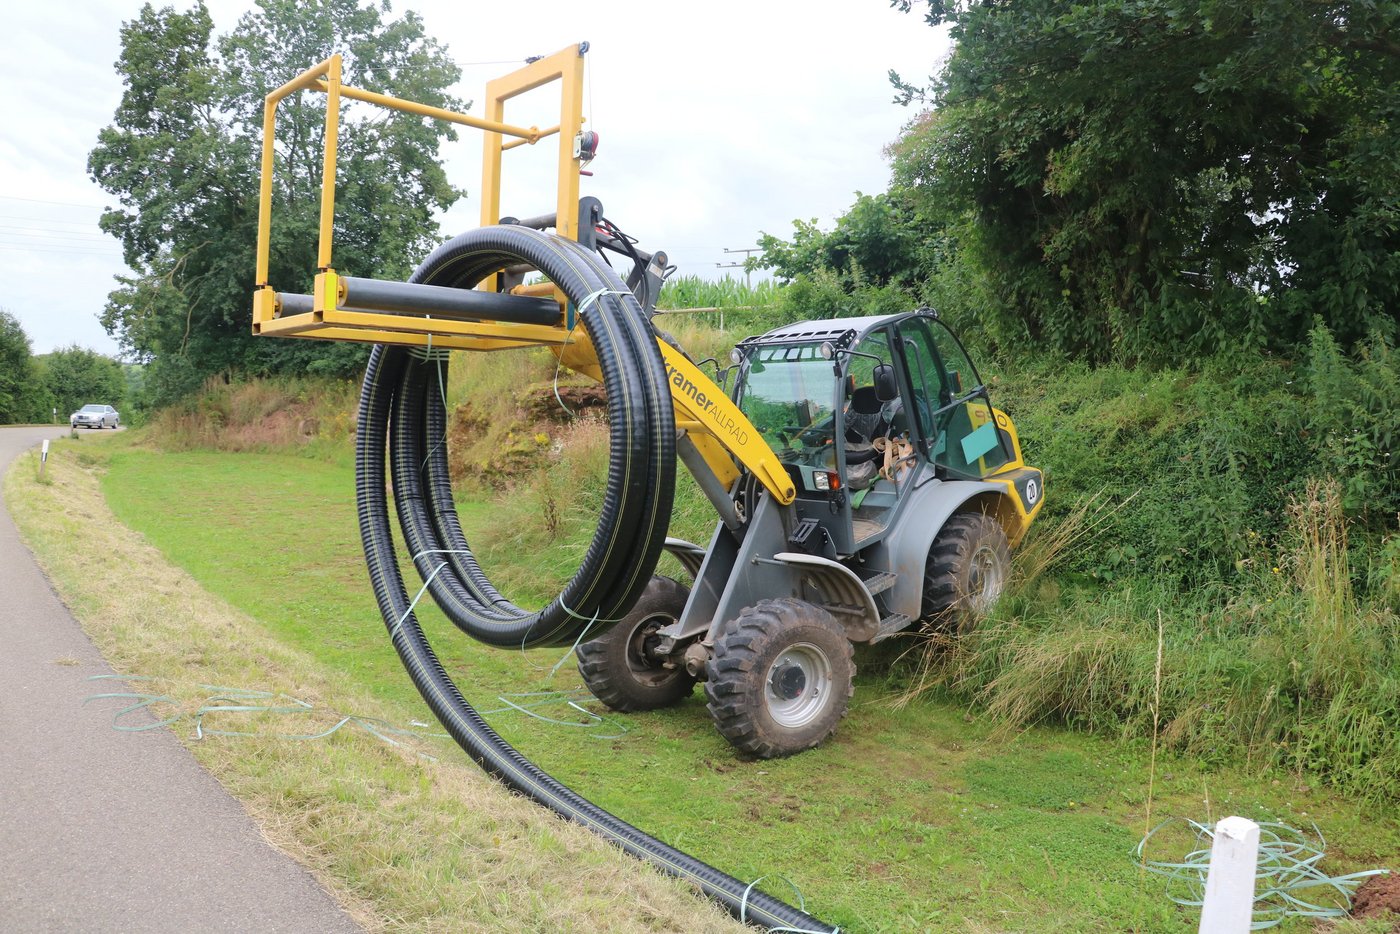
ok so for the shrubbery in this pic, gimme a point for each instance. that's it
(1251, 509)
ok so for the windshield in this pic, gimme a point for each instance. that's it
(788, 394)
(94, 408)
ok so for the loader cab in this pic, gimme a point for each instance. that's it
(860, 409)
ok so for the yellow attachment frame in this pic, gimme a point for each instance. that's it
(325, 319)
(718, 429)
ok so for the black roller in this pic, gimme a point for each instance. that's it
(401, 404)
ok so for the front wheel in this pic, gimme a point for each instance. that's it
(618, 666)
(968, 567)
(780, 678)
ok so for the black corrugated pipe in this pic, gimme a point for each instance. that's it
(401, 405)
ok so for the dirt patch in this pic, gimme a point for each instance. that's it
(486, 455)
(1378, 897)
(541, 403)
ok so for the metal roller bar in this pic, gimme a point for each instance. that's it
(410, 298)
(538, 222)
(404, 298)
(294, 303)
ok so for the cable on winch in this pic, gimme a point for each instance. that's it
(401, 407)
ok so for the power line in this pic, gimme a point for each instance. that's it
(745, 264)
(71, 204)
(50, 233)
(14, 248)
(45, 220)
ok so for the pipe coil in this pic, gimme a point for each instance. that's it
(402, 413)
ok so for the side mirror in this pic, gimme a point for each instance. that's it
(886, 388)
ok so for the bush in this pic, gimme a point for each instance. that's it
(1355, 411)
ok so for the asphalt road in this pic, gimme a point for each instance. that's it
(109, 831)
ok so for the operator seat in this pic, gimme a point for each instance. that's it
(863, 420)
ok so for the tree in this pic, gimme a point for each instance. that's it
(870, 263)
(1162, 178)
(75, 376)
(877, 240)
(182, 157)
(19, 397)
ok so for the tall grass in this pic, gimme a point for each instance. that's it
(314, 415)
(1291, 672)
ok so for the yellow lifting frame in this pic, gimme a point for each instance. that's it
(718, 429)
(565, 66)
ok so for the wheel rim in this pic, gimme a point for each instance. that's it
(985, 578)
(798, 685)
(644, 670)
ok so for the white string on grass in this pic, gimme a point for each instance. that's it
(224, 700)
(801, 906)
(1287, 869)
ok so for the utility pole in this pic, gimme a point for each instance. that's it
(744, 264)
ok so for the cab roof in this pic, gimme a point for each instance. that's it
(840, 331)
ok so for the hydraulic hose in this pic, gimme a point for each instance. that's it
(401, 408)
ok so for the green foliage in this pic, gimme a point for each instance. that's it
(182, 156)
(21, 396)
(872, 262)
(1206, 458)
(823, 293)
(1256, 512)
(1356, 416)
(74, 377)
(1288, 666)
(1138, 179)
(875, 242)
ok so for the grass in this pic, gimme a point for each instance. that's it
(921, 817)
(404, 842)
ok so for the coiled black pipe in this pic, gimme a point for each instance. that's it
(401, 405)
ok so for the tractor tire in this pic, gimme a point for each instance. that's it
(968, 567)
(780, 678)
(618, 671)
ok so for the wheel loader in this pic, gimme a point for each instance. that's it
(864, 483)
(910, 491)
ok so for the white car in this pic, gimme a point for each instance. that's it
(95, 416)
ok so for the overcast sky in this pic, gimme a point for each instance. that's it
(717, 121)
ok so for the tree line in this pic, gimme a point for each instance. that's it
(41, 388)
(1139, 180)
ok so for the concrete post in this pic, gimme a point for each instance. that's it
(1229, 901)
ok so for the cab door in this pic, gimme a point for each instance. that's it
(952, 411)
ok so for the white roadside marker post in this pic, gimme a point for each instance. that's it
(1229, 900)
(43, 457)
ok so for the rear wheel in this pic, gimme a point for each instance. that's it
(618, 667)
(968, 567)
(780, 679)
